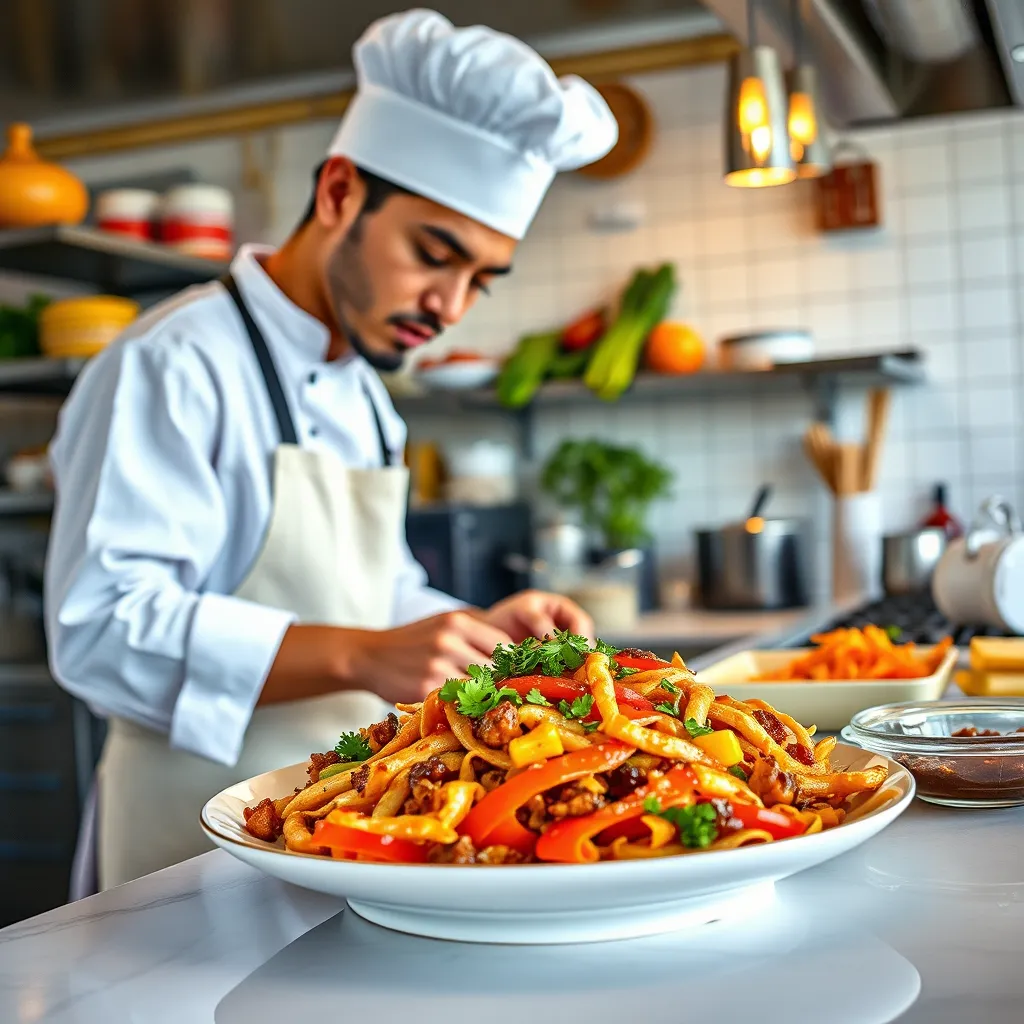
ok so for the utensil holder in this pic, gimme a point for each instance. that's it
(856, 545)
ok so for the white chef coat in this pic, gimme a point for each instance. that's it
(163, 467)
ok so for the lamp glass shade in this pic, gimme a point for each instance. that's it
(810, 149)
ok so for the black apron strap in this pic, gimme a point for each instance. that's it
(386, 458)
(285, 423)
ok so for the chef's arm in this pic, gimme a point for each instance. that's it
(139, 523)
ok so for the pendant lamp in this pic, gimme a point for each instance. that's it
(808, 145)
(757, 148)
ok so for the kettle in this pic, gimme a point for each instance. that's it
(979, 580)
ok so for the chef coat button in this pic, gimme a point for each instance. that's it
(312, 377)
(313, 431)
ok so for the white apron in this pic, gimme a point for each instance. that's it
(330, 556)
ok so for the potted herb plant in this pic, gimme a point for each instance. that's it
(611, 488)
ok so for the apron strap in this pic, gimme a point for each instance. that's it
(386, 458)
(285, 423)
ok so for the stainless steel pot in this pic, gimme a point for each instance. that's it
(909, 560)
(756, 564)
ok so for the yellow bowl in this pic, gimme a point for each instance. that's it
(83, 326)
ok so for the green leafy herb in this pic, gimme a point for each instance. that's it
(352, 746)
(738, 772)
(695, 730)
(554, 655)
(579, 708)
(668, 709)
(534, 696)
(478, 694)
(894, 632)
(591, 726)
(667, 684)
(602, 648)
(623, 672)
(696, 824)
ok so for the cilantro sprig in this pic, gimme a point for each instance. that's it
(478, 694)
(352, 746)
(738, 772)
(695, 729)
(579, 708)
(534, 696)
(696, 824)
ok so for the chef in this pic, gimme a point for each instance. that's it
(228, 580)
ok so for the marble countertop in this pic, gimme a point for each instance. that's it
(923, 923)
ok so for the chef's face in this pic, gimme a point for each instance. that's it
(400, 269)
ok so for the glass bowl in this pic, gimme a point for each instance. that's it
(956, 771)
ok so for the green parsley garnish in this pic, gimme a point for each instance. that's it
(352, 746)
(667, 684)
(534, 696)
(668, 709)
(591, 726)
(623, 672)
(579, 708)
(893, 632)
(696, 730)
(602, 648)
(478, 694)
(563, 652)
(738, 772)
(696, 824)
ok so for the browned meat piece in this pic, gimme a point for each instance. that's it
(491, 779)
(624, 779)
(534, 813)
(360, 777)
(801, 753)
(499, 725)
(431, 770)
(318, 762)
(772, 726)
(382, 733)
(263, 821)
(575, 801)
(461, 852)
(724, 819)
(771, 783)
(635, 652)
(425, 797)
(499, 855)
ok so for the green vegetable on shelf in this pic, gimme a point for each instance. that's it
(616, 356)
(526, 369)
(19, 328)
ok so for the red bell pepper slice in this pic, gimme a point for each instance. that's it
(499, 807)
(554, 690)
(776, 824)
(641, 664)
(367, 845)
(571, 841)
(582, 333)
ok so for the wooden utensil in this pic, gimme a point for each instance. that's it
(879, 401)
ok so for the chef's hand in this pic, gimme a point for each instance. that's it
(535, 613)
(406, 663)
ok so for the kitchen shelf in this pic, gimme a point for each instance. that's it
(25, 503)
(107, 262)
(38, 376)
(821, 377)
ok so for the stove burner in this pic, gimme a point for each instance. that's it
(917, 618)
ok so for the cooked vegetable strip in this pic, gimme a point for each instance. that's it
(419, 827)
(697, 704)
(462, 727)
(842, 783)
(602, 686)
(457, 801)
(823, 749)
(653, 742)
(394, 796)
(379, 774)
(753, 731)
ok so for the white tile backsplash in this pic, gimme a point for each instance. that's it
(945, 273)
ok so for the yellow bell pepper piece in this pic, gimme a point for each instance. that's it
(722, 745)
(538, 744)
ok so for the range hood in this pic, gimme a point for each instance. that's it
(882, 60)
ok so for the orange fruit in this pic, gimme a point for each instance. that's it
(675, 348)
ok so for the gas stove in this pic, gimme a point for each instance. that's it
(915, 616)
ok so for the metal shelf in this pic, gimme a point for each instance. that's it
(38, 376)
(25, 503)
(109, 263)
(820, 376)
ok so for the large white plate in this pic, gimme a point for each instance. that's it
(548, 903)
(829, 704)
(459, 376)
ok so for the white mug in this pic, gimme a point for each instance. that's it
(979, 581)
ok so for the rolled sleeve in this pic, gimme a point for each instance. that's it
(231, 647)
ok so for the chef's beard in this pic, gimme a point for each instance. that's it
(349, 283)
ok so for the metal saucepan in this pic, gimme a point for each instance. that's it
(909, 559)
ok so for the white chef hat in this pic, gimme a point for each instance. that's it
(469, 117)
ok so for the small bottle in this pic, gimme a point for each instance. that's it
(941, 517)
